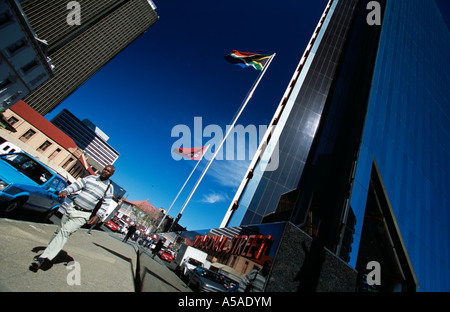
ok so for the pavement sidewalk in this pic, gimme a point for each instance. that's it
(99, 262)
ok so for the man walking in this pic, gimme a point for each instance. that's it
(131, 231)
(93, 189)
(158, 247)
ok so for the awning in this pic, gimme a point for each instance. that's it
(228, 271)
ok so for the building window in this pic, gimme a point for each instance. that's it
(16, 47)
(5, 19)
(13, 120)
(4, 83)
(27, 135)
(56, 152)
(67, 163)
(44, 146)
(29, 67)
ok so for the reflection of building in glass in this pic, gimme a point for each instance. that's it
(363, 134)
(79, 51)
(242, 253)
(234, 252)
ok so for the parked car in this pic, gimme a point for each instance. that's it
(167, 254)
(189, 264)
(112, 225)
(27, 183)
(205, 280)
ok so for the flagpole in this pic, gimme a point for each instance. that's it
(176, 197)
(243, 105)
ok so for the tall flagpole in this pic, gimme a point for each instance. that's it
(176, 197)
(244, 104)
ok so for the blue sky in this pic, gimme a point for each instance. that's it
(175, 72)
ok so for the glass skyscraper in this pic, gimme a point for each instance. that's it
(407, 133)
(363, 135)
(87, 137)
(79, 51)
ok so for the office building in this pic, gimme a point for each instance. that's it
(89, 138)
(363, 139)
(24, 64)
(79, 48)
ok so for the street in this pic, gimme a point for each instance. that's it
(99, 262)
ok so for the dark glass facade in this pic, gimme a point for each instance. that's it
(363, 134)
(99, 151)
(302, 110)
(79, 51)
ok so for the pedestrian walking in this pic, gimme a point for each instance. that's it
(92, 202)
(93, 226)
(158, 247)
(130, 232)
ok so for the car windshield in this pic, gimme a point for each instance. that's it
(209, 275)
(28, 166)
(194, 262)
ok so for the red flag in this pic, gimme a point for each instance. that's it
(194, 153)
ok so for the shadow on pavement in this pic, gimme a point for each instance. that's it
(61, 257)
(136, 279)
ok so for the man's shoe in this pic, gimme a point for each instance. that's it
(36, 264)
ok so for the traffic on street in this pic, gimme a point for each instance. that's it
(31, 192)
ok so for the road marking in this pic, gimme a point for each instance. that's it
(39, 230)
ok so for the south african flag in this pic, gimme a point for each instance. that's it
(245, 59)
